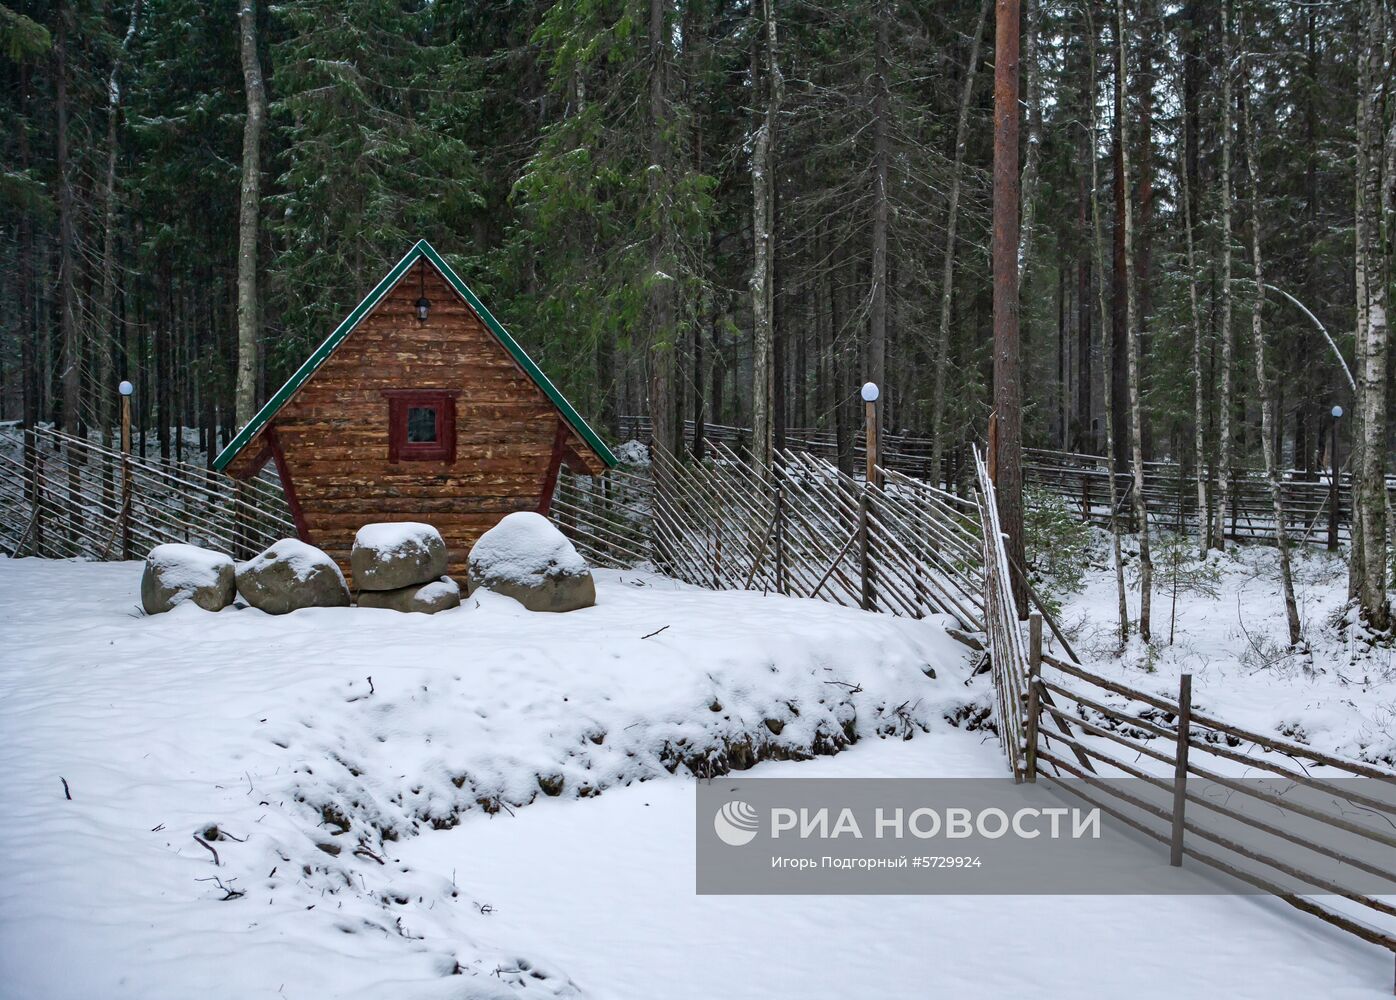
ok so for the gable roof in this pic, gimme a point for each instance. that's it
(420, 250)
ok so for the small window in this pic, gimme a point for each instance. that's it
(421, 425)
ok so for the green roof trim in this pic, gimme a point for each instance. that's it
(422, 249)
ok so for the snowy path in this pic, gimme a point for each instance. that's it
(605, 889)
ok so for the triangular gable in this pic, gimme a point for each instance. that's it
(422, 249)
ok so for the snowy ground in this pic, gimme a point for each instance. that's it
(1338, 694)
(388, 835)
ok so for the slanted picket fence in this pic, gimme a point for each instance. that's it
(63, 496)
(1310, 501)
(799, 527)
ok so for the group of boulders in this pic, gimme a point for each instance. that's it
(400, 566)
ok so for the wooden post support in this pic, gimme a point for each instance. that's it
(39, 500)
(864, 555)
(993, 449)
(1180, 769)
(780, 542)
(1034, 710)
(870, 417)
(125, 476)
(1334, 491)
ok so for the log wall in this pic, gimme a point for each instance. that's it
(334, 431)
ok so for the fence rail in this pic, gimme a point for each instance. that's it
(799, 527)
(1169, 487)
(66, 496)
(1158, 746)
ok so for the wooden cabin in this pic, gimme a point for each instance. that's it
(418, 407)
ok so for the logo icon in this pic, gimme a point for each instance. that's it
(736, 823)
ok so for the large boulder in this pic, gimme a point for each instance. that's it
(291, 575)
(525, 557)
(427, 598)
(393, 555)
(176, 573)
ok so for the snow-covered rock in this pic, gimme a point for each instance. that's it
(291, 575)
(525, 557)
(393, 555)
(427, 598)
(176, 573)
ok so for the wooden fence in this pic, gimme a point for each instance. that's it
(64, 496)
(799, 527)
(1157, 740)
(1170, 488)
(1171, 494)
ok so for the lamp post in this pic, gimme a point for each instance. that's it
(125, 388)
(1334, 493)
(869, 592)
(870, 393)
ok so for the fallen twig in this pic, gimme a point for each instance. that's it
(208, 847)
(228, 891)
(654, 633)
(69, 795)
(364, 852)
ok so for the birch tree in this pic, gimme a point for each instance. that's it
(1228, 335)
(1369, 551)
(1262, 374)
(1136, 433)
(1195, 316)
(1107, 349)
(762, 227)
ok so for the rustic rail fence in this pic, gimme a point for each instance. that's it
(799, 527)
(1157, 740)
(64, 496)
(1083, 480)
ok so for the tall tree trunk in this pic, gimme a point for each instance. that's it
(1008, 390)
(763, 237)
(1107, 340)
(1032, 73)
(249, 213)
(940, 359)
(106, 319)
(67, 231)
(661, 296)
(1262, 375)
(1199, 406)
(1136, 432)
(1374, 199)
(1228, 333)
(1118, 374)
(1147, 28)
(877, 308)
(1084, 438)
